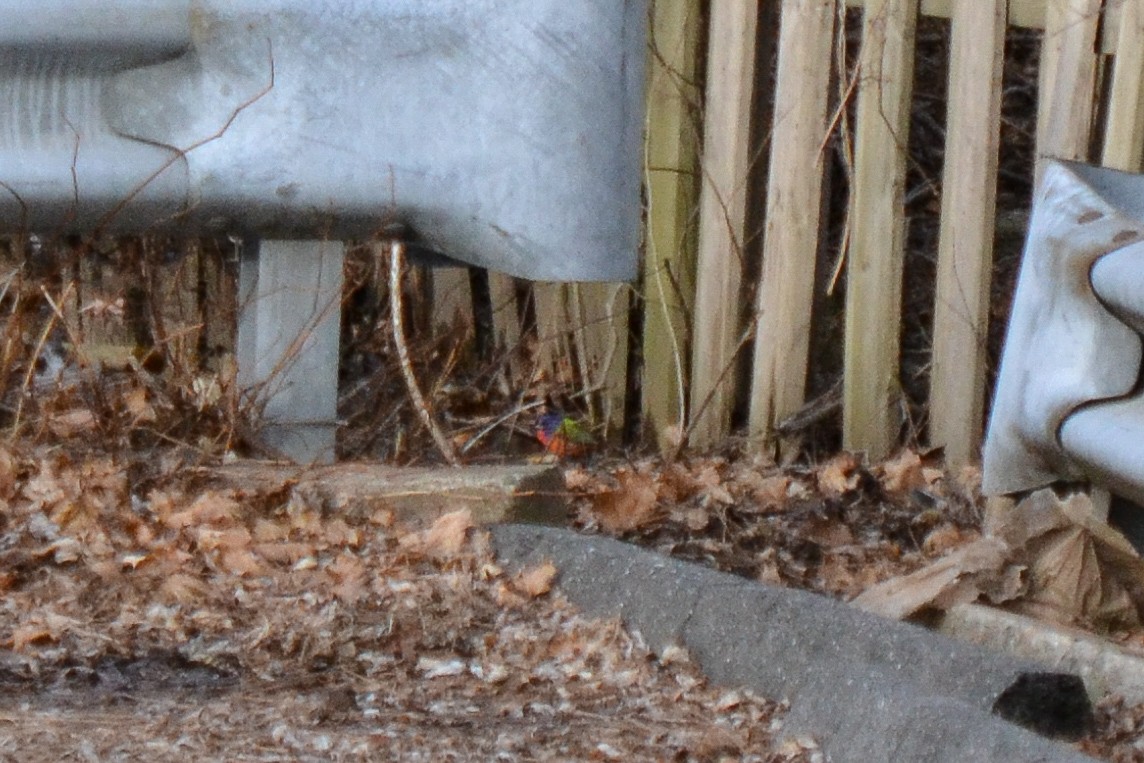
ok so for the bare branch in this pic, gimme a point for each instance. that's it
(396, 267)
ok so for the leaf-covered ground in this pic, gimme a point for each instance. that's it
(147, 618)
(837, 528)
(147, 614)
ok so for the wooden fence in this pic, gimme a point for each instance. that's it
(733, 152)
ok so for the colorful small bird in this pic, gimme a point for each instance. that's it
(560, 435)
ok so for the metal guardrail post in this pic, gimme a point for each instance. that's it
(288, 331)
(1069, 405)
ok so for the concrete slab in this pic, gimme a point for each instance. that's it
(1105, 667)
(512, 493)
(867, 688)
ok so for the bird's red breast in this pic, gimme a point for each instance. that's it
(561, 436)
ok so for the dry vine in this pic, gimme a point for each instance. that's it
(396, 267)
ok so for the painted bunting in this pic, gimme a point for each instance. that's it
(561, 435)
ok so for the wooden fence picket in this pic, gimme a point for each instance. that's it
(722, 216)
(452, 300)
(599, 318)
(968, 212)
(1124, 135)
(706, 89)
(870, 420)
(791, 237)
(506, 319)
(671, 175)
(1067, 84)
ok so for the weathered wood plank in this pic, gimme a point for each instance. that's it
(1024, 13)
(1124, 133)
(553, 350)
(506, 319)
(1067, 80)
(452, 301)
(672, 177)
(288, 343)
(1031, 15)
(600, 331)
(722, 215)
(870, 419)
(512, 493)
(965, 248)
(798, 137)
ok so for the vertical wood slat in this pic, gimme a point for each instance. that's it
(1023, 13)
(599, 313)
(553, 350)
(794, 197)
(722, 215)
(586, 322)
(1124, 136)
(452, 301)
(870, 419)
(1067, 80)
(965, 248)
(506, 320)
(672, 158)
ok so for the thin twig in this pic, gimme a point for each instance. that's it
(31, 371)
(497, 422)
(700, 409)
(181, 153)
(396, 266)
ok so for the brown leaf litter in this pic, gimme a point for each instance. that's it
(218, 625)
(1047, 557)
(903, 538)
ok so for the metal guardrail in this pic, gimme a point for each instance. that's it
(503, 133)
(1068, 403)
(500, 133)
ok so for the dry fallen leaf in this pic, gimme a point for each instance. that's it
(339, 533)
(943, 538)
(535, 581)
(903, 472)
(696, 519)
(71, 423)
(827, 532)
(676, 483)
(240, 561)
(839, 475)
(31, 633)
(350, 576)
(212, 507)
(432, 667)
(445, 538)
(578, 478)
(954, 579)
(135, 401)
(133, 560)
(769, 492)
(9, 472)
(634, 504)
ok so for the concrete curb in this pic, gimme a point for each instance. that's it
(1104, 666)
(867, 688)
